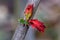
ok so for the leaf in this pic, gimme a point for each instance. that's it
(37, 24)
(22, 21)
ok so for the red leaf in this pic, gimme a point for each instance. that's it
(37, 24)
(29, 8)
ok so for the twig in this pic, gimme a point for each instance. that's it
(20, 32)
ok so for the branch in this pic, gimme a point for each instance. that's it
(21, 30)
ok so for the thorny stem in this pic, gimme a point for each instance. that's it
(21, 30)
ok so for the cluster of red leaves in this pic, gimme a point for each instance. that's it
(34, 22)
(37, 24)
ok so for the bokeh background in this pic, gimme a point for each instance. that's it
(48, 12)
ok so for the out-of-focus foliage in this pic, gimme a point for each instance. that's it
(5, 35)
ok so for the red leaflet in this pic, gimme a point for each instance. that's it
(37, 24)
(29, 9)
(28, 12)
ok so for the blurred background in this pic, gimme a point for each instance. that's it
(48, 12)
